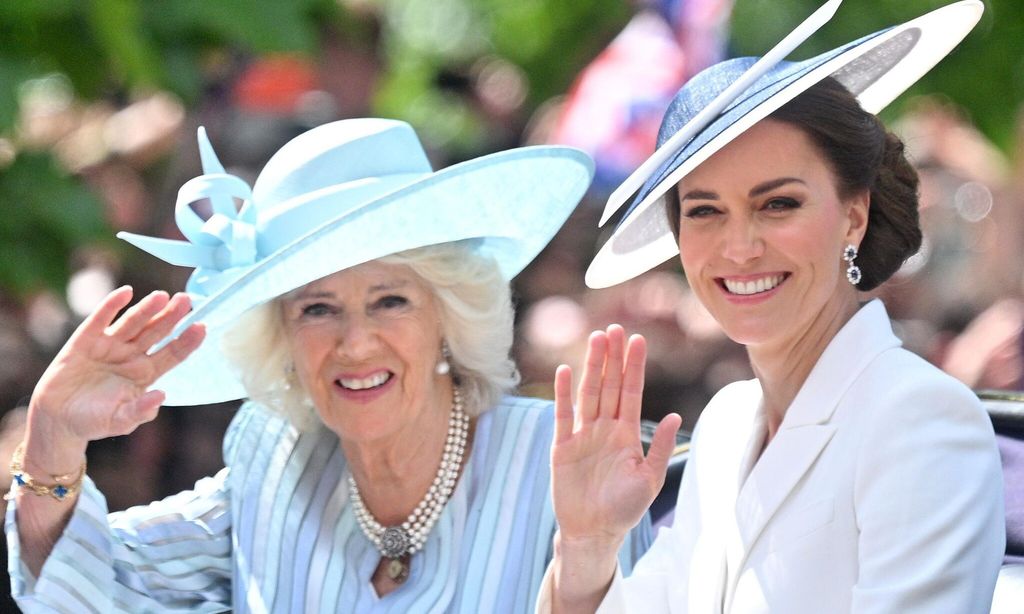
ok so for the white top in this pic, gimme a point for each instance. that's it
(880, 493)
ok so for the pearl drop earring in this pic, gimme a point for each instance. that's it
(443, 367)
(289, 372)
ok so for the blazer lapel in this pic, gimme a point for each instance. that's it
(778, 471)
(805, 430)
(724, 452)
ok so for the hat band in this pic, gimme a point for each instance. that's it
(233, 238)
(282, 224)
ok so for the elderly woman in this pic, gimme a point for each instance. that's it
(361, 302)
(850, 476)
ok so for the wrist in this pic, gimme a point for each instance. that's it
(59, 487)
(583, 570)
(49, 448)
(588, 547)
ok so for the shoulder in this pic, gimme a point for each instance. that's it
(734, 404)
(907, 387)
(904, 408)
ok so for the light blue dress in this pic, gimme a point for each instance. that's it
(274, 532)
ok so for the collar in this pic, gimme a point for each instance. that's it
(858, 342)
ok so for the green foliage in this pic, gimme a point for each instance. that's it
(46, 214)
(984, 75)
(110, 47)
(550, 40)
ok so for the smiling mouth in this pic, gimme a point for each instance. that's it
(754, 286)
(365, 383)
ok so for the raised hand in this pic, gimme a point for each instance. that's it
(96, 385)
(602, 483)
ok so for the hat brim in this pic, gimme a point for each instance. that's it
(876, 68)
(511, 203)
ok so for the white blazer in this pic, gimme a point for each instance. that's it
(881, 492)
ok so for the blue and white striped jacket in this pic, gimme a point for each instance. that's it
(274, 532)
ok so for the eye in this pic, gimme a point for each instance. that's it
(700, 211)
(317, 309)
(781, 203)
(392, 301)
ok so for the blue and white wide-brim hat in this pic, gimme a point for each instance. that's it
(726, 99)
(337, 196)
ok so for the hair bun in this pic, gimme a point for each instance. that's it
(894, 230)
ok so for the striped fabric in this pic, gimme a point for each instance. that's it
(274, 532)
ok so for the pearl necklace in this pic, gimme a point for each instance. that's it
(397, 541)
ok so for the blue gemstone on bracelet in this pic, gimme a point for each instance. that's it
(60, 491)
(19, 479)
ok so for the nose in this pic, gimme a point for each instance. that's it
(357, 339)
(742, 241)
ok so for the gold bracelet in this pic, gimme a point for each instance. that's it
(60, 491)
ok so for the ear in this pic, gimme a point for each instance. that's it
(857, 209)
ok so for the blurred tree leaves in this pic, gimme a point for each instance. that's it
(109, 50)
(46, 214)
(428, 49)
(984, 75)
(107, 47)
(550, 40)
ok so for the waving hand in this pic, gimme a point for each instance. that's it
(96, 386)
(602, 483)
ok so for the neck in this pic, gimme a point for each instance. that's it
(782, 366)
(395, 473)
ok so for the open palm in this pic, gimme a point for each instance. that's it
(601, 480)
(96, 387)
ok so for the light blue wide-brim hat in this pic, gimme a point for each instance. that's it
(721, 102)
(340, 195)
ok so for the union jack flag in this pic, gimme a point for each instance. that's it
(615, 106)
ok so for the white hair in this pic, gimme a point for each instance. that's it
(476, 322)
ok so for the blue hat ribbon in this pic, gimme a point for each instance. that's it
(219, 247)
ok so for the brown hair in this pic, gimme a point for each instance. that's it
(862, 155)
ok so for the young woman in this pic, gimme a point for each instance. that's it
(850, 475)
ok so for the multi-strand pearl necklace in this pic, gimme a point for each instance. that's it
(409, 537)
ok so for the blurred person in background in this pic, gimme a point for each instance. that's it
(851, 475)
(361, 302)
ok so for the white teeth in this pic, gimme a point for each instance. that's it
(752, 287)
(366, 382)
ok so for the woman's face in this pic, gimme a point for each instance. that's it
(761, 233)
(365, 342)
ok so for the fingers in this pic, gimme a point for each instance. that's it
(135, 319)
(178, 350)
(631, 398)
(604, 386)
(143, 409)
(163, 322)
(563, 403)
(611, 383)
(662, 444)
(103, 315)
(589, 395)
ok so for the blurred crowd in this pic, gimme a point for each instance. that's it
(959, 303)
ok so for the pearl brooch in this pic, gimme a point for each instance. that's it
(410, 536)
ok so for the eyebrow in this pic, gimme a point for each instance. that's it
(392, 285)
(757, 190)
(770, 185)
